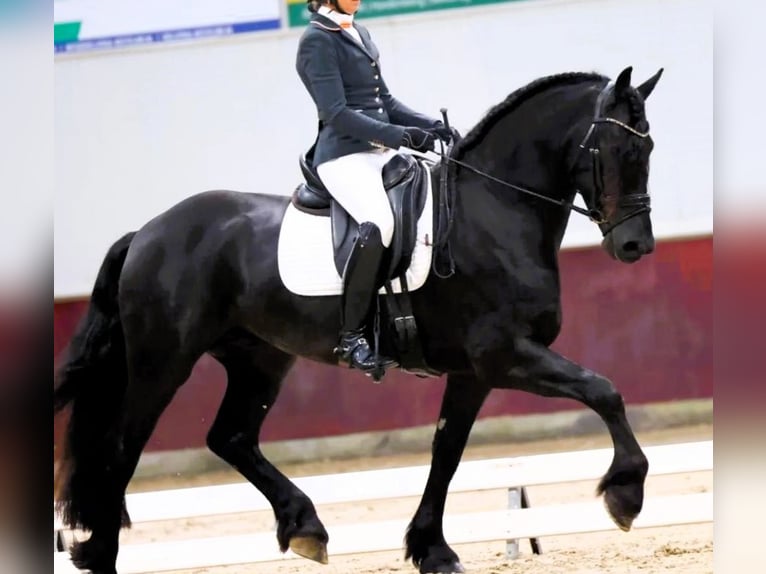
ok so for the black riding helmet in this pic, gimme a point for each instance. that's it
(313, 5)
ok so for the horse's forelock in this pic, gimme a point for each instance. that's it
(637, 109)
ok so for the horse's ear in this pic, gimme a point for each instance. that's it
(646, 88)
(622, 84)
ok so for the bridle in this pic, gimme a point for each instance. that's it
(639, 201)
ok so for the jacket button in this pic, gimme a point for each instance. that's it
(373, 64)
(377, 99)
(376, 77)
(380, 110)
(377, 89)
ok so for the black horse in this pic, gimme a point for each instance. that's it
(202, 277)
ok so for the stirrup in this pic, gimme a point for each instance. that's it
(354, 350)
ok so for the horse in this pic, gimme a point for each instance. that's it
(203, 277)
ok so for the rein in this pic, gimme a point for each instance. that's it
(445, 216)
(593, 214)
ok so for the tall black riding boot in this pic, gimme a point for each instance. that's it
(360, 287)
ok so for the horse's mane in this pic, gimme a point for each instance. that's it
(514, 100)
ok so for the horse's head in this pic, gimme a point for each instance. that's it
(614, 179)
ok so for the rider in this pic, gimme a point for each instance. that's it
(360, 126)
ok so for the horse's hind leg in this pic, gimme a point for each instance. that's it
(153, 381)
(426, 546)
(255, 371)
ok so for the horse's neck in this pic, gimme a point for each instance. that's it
(531, 147)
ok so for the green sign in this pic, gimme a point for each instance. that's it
(298, 14)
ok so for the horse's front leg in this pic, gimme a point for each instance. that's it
(426, 546)
(534, 368)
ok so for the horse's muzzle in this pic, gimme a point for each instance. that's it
(629, 250)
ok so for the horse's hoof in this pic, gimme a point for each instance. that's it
(621, 512)
(454, 568)
(309, 547)
(89, 556)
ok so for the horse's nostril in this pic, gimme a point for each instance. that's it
(630, 246)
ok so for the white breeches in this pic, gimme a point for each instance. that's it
(355, 181)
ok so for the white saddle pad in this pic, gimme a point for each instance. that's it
(305, 252)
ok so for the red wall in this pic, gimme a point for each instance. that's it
(647, 326)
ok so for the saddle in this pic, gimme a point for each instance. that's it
(406, 184)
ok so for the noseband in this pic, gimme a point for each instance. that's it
(639, 201)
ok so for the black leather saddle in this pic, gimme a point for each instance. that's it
(406, 182)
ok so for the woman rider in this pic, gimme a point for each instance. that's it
(361, 127)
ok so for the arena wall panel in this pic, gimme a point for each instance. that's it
(138, 130)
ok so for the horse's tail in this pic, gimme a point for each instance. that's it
(93, 380)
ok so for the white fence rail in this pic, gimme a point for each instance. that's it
(506, 473)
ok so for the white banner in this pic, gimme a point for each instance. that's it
(84, 25)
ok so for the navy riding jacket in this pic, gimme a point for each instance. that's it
(356, 110)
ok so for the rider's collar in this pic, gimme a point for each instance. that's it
(342, 20)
